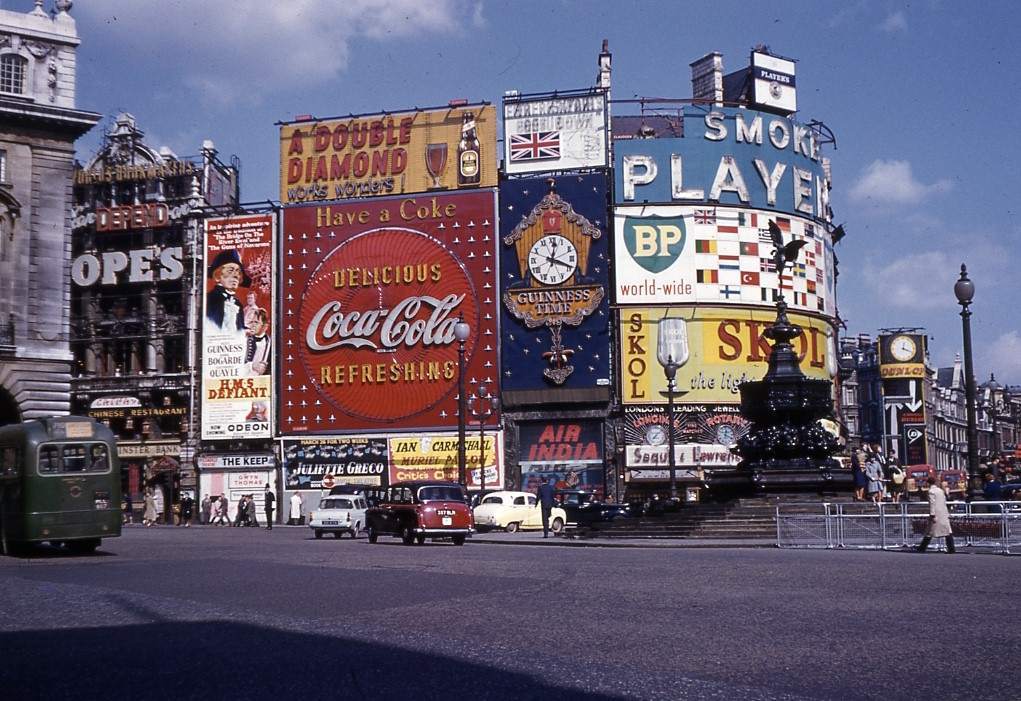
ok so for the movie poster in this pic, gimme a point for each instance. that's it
(237, 328)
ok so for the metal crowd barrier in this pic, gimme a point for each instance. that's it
(992, 525)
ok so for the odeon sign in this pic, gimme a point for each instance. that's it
(370, 301)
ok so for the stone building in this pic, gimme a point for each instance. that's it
(38, 127)
(137, 278)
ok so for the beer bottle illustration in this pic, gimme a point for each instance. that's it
(468, 155)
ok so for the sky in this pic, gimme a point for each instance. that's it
(920, 96)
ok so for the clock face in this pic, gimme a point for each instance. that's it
(655, 435)
(552, 259)
(725, 435)
(903, 348)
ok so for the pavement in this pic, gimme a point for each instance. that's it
(577, 540)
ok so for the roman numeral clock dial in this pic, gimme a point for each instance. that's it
(552, 259)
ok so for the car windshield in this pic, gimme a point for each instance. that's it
(440, 494)
(335, 504)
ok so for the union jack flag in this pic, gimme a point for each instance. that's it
(535, 146)
(705, 216)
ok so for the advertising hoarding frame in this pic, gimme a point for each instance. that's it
(527, 125)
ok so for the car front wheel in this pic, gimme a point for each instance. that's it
(557, 526)
(513, 526)
(319, 533)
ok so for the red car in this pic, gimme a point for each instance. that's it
(414, 511)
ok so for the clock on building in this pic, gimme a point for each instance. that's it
(655, 435)
(903, 348)
(552, 259)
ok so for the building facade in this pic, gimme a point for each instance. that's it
(136, 278)
(39, 124)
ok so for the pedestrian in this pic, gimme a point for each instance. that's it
(896, 483)
(858, 474)
(242, 514)
(187, 506)
(220, 516)
(295, 519)
(128, 508)
(874, 473)
(268, 499)
(207, 510)
(149, 515)
(547, 497)
(250, 517)
(939, 518)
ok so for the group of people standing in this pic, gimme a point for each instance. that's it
(876, 477)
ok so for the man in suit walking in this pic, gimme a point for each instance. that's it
(547, 500)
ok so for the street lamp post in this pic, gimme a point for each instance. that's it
(964, 290)
(461, 331)
(482, 405)
(672, 353)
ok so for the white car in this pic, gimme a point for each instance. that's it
(339, 515)
(514, 510)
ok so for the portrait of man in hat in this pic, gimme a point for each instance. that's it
(223, 309)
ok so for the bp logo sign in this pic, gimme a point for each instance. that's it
(654, 242)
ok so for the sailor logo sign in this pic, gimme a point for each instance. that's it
(371, 294)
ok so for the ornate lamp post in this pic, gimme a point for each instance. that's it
(461, 331)
(482, 405)
(964, 290)
(672, 353)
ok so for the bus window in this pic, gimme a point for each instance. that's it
(67, 458)
(9, 462)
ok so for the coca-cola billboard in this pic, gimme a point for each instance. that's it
(371, 291)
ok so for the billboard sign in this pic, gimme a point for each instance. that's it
(728, 156)
(703, 436)
(237, 329)
(554, 257)
(773, 82)
(371, 291)
(323, 462)
(448, 148)
(434, 457)
(902, 356)
(727, 346)
(556, 132)
(719, 255)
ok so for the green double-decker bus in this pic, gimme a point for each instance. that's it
(60, 482)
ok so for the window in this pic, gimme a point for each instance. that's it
(492, 500)
(9, 461)
(519, 501)
(440, 494)
(65, 458)
(3, 166)
(12, 73)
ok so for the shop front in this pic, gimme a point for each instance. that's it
(232, 476)
(568, 453)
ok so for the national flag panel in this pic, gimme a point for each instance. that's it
(749, 278)
(705, 246)
(707, 276)
(535, 146)
(705, 216)
(749, 249)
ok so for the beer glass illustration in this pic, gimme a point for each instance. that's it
(435, 162)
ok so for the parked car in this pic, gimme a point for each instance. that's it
(917, 479)
(414, 511)
(338, 515)
(514, 510)
(584, 509)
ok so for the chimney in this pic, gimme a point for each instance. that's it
(605, 59)
(707, 78)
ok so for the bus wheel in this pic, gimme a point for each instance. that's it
(83, 547)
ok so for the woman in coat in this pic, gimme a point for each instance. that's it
(149, 517)
(874, 472)
(858, 474)
(939, 518)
